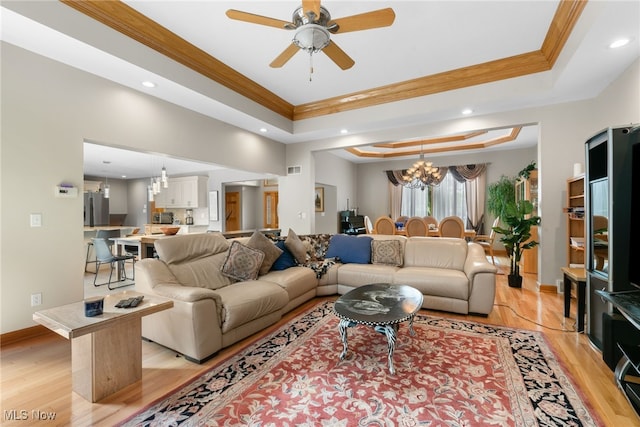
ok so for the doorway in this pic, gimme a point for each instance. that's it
(270, 209)
(232, 211)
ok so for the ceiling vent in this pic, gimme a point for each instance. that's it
(294, 170)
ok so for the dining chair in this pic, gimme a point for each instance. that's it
(451, 226)
(403, 219)
(104, 256)
(416, 226)
(430, 220)
(368, 226)
(486, 241)
(384, 225)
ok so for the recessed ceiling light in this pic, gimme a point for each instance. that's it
(619, 43)
(124, 176)
(343, 131)
(263, 130)
(467, 111)
(147, 83)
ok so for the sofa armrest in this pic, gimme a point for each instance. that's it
(476, 262)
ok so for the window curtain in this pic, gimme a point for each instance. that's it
(395, 200)
(474, 178)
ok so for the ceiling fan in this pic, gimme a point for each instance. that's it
(313, 27)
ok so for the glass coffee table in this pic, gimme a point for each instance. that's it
(382, 306)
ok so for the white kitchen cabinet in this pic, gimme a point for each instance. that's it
(184, 192)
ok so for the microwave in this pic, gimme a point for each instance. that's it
(162, 218)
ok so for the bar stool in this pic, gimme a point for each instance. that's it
(100, 234)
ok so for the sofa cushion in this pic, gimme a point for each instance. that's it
(177, 249)
(364, 274)
(439, 282)
(242, 262)
(435, 252)
(196, 259)
(244, 302)
(271, 253)
(388, 252)
(349, 249)
(296, 247)
(296, 280)
(285, 260)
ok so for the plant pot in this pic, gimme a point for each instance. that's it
(515, 281)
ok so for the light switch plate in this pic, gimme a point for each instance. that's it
(35, 220)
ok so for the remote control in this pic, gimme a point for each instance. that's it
(130, 302)
(136, 301)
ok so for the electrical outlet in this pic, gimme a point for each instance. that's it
(36, 299)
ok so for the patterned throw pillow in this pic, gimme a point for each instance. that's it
(271, 253)
(242, 262)
(296, 247)
(388, 252)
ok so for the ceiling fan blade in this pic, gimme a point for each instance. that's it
(257, 19)
(286, 55)
(311, 6)
(338, 56)
(364, 21)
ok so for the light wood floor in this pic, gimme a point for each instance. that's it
(36, 373)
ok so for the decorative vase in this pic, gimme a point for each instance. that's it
(515, 281)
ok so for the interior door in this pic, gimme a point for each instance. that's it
(270, 209)
(232, 211)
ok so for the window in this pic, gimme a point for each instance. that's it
(447, 199)
(416, 202)
(450, 198)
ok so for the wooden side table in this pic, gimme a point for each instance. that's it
(578, 277)
(106, 350)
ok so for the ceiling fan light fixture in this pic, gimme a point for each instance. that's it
(311, 38)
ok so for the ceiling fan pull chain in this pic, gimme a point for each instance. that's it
(310, 64)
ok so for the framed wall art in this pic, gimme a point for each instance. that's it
(319, 199)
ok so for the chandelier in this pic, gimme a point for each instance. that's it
(421, 174)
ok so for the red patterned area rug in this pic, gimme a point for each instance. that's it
(451, 373)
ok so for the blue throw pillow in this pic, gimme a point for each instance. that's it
(285, 260)
(350, 249)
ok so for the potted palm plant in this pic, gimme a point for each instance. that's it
(518, 218)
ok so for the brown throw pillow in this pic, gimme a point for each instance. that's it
(242, 262)
(296, 247)
(271, 252)
(387, 252)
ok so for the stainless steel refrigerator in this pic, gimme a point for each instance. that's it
(96, 209)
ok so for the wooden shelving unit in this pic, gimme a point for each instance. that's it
(527, 189)
(575, 221)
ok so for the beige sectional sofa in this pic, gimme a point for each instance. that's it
(212, 310)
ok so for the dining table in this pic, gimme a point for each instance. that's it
(435, 232)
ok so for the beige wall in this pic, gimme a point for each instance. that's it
(48, 110)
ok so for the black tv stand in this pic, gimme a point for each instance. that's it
(627, 372)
